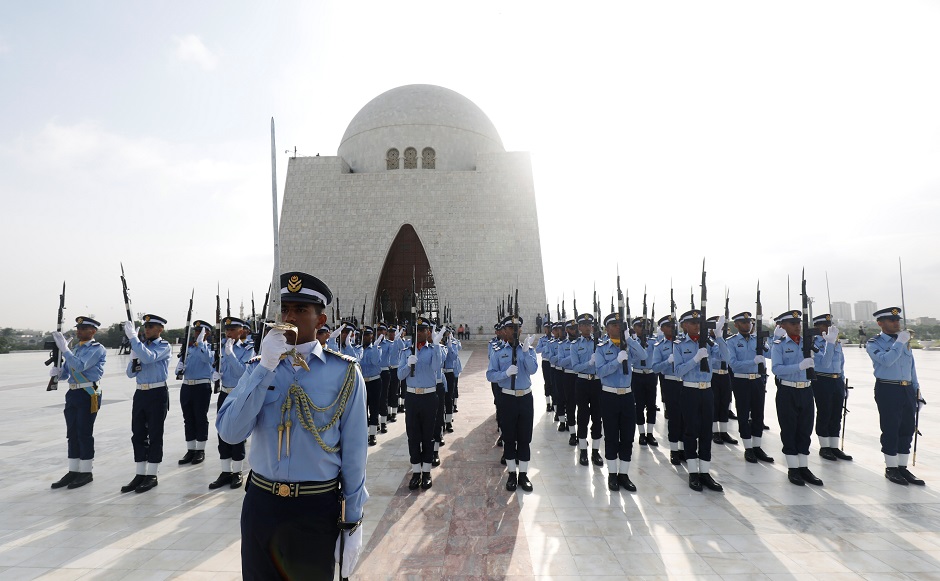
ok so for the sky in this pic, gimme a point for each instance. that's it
(764, 137)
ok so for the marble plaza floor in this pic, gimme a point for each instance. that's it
(858, 526)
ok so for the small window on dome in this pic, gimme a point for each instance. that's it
(427, 158)
(411, 158)
(391, 159)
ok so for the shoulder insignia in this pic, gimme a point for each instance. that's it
(254, 360)
(346, 358)
(778, 341)
(872, 340)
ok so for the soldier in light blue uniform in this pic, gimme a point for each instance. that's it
(452, 369)
(697, 399)
(721, 388)
(644, 384)
(618, 405)
(238, 350)
(308, 446)
(663, 360)
(393, 347)
(748, 385)
(897, 393)
(150, 367)
(196, 393)
(588, 390)
(558, 391)
(541, 348)
(441, 397)
(568, 379)
(795, 405)
(493, 344)
(829, 388)
(385, 353)
(511, 368)
(371, 363)
(82, 370)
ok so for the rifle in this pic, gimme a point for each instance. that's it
(515, 336)
(643, 337)
(189, 329)
(724, 328)
(759, 331)
(692, 298)
(135, 363)
(703, 331)
(574, 305)
(414, 317)
(672, 313)
(596, 331)
(808, 347)
(621, 320)
(919, 398)
(55, 356)
(254, 319)
(845, 410)
(362, 322)
(260, 327)
(217, 340)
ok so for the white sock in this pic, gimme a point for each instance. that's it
(891, 461)
(416, 468)
(563, 418)
(693, 466)
(153, 468)
(756, 440)
(582, 444)
(84, 466)
(748, 443)
(804, 460)
(236, 465)
(437, 446)
(714, 426)
(190, 444)
(200, 445)
(673, 446)
(371, 430)
(833, 441)
(572, 429)
(823, 441)
(141, 469)
(703, 466)
(649, 429)
(596, 445)
(682, 446)
(793, 461)
(448, 418)
(74, 464)
(723, 427)
(226, 465)
(640, 428)
(902, 460)
(623, 467)
(523, 465)
(382, 420)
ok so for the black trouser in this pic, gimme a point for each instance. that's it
(373, 391)
(749, 395)
(456, 393)
(644, 393)
(495, 388)
(795, 412)
(449, 397)
(80, 424)
(234, 451)
(829, 393)
(393, 386)
(697, 407)
(559, 399)
(288, 538)
(383, 393)
(571, 397)
(619, 414)
(517, 417)
(194, 400)
(148, 414)
(589, 406)
(671, 389)
(420, 411)
(897, 406)
(547, 378)
(439, 413)
(721, 386)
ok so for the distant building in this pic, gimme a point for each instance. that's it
(841, 312)
(927, 321)
(864, 310)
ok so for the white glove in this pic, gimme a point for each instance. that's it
(412, 360)
(921, 403)
(216, 376)
(273, 346)
(130, 330)
(180, 367)
(436, 336)
(229, 347)
(336, 332)
(702, 353)
(660, 336)
(511, 370)
(623, 355)
(832, 335)
(779, 332)
(379, 340)
(528, 344)
(807, 363)
(55, 371)
(758, 359)
(719, 325)
(61, 342)
(593, 359)
(904, 337)
(350, 339)
(351, 550)
(201, 338)
(671, 359)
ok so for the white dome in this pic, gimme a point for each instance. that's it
(419, 117)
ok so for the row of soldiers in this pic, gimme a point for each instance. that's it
(608, 383)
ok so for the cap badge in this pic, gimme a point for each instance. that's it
(695, 314)
(828, 317)
(79, 320)
(228, 321)
(294, 284)
(895, 311)
(796, 314)
(147, 318)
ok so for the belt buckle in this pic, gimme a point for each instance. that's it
(621, 391)
(283, 490)
(518, 393)
(905, 382)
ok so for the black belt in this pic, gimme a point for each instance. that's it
(293, 489)
(829, 375)
(894, 381)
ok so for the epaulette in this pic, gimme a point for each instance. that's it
(872, 339)
(254, 360)
(603, 341)
(346, 358)
(778, 341)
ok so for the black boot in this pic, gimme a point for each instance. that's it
(199, 457)
(901, 469)
(449, 428)
(894, 475)
(392, 418)
(625, 482)
(695, 482)
(425, 480)
(524, 483)
(651, 440)
(826, 454)
(795, 477)
(716, 437)
(415, 481)
(840, 454)
(732, 415)
(65, 480)
(133, 484)
(188, 457)
(682, 455)
(596, 458)
(582, 457)
(761, 455)
(573, 440)
(383, 429)
(436, 459)
(236, 480)
(223, 479)
(555, 419)
(612, 483)
(727, 439)
(499, 441)
(372, 441)
(750, 456)
(641, 441)
(674, 458)
(502, 459)
(511, 482)
(148, 483)
(809, 477)
(84, 478)
(710, 482)
(549, 408)
(440, 443)
(563, 427)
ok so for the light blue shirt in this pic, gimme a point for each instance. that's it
(371, 361)
(254, 409)
(662, 349)
(426, 369)
(609, 369)
(645, 354)
(830, 358)
(786, 355)
(580, 355)
(690, 370)
(741, 353)
(542, 347)
(452, 359)
(154, 358)
(85, 363)
(892, 360)
(501, 359)
(564, 354)
(198, 362)
(234, 367)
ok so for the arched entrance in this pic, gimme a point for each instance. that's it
(394, 298)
